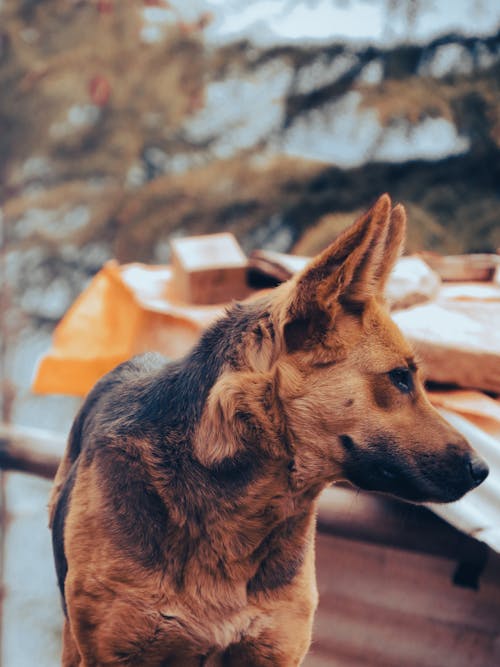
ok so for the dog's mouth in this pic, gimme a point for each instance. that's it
(435, 479)
(404, 486)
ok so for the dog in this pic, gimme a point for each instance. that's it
(183, 511)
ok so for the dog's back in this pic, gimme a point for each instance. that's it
(107, 409)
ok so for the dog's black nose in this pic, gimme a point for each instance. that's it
(478, 469)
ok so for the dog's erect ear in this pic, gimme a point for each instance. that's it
(395, 234)
(351, 270)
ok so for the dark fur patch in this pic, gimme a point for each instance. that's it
(296, 333)
(303, 333)
(59, 521)
(347, 443)
(281, 555)
(383, 391)
(148, 396)
(236, 472)
(354, 308)
(378, 466)
(133, 512)
(250, 653)
(171, 398)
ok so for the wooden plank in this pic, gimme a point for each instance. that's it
(395, 580)
(393, 638)
(317, 658)
(30, 450)
(480, 266)
(392, 608)
(379, 519)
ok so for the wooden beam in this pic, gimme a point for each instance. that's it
(378, 519)
(30, 450)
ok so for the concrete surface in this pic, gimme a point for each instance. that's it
(32, 616)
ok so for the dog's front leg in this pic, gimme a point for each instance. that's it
(281, 630)
(70, 654)
(268, 651)
(283, 641)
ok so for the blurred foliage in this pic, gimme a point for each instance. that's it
(98, 157)
(59, 58)
(85, 100)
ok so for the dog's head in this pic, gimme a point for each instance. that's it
(323, 376)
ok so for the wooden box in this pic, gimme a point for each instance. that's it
(209, 269)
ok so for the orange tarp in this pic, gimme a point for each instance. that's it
(124, 311)
(474, 405)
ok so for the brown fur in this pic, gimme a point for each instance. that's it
(183, 512)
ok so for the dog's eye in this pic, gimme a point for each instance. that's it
(402, 379)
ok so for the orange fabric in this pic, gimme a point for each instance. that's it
(474, 405)
(124, 311)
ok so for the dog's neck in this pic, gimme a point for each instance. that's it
(247, 525)
(247, 535)
(248, 501)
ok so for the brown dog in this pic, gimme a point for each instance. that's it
(183, 512)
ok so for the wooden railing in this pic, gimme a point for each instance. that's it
(30, 450)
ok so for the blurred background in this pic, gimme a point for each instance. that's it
(124, 125)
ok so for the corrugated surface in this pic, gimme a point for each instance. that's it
(384, 607)
(478, 513)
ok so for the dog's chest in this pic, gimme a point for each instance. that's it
(212, 632)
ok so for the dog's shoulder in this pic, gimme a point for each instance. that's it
(106, 412)
(114, 404)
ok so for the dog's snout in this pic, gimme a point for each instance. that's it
(478, 469)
